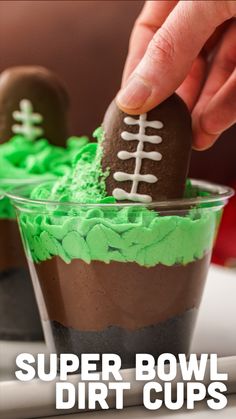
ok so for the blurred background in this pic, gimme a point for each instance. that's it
(85, 43)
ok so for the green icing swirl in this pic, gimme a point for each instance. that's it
(21, 159)
(125, 234)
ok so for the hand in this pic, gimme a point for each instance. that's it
(190, 47)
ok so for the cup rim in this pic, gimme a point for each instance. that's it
(218, 194)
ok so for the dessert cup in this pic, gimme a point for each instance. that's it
(19, 316)
(122, 278)
(23, 161)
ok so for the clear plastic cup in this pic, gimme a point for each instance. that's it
(19, 316)
(122, 278)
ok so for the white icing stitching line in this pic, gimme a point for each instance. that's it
(139, 155)
(128, 136)
(152, 155)
(28, 120)
(120, 195)
(121, 176)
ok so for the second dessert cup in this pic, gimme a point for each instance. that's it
(122, 278)
(23, 162)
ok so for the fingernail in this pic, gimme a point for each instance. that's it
(134, 94)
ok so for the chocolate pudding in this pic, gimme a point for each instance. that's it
(121, 307)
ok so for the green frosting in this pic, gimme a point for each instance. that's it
(85, 183)
(124, 235)
(110, 233)
(21, 159)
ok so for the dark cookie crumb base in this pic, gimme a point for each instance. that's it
(173, 336)
(19, 317)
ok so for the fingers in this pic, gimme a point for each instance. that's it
(151, 18)
(191, 87)
(213, 94)
(215, 38)
(171, 52)
(219, 115)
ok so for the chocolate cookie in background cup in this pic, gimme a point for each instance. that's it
(33, 110)
(45, 95)
(117, 277)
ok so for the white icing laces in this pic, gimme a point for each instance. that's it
(138, 155)
(28, 120)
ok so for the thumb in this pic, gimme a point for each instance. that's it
(171, 52)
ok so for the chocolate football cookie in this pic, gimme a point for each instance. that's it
(33, 103)
(147, 155)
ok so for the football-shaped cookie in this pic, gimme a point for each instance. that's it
(32, 103)
(147, 155)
